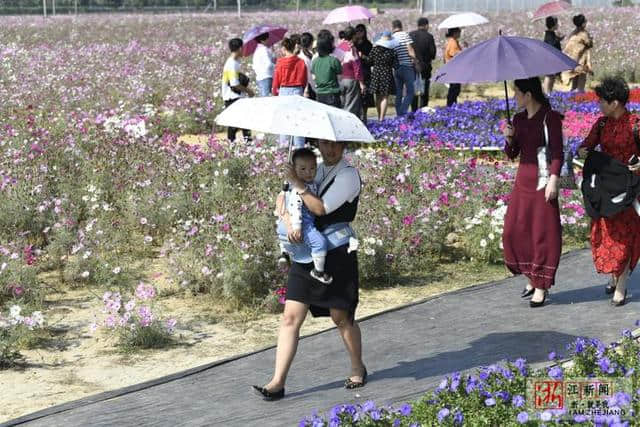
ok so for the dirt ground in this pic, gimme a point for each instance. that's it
(73, 362)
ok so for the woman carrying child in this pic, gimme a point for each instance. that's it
(335, 206)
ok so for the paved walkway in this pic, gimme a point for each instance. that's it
(407, 351)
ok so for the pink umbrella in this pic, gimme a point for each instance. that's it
(249, 38)
(348, 14)
(551, 8)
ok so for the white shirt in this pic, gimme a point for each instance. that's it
(345, 188)
(307, 62)
(230, 78)
(263, 62)
(402, 51)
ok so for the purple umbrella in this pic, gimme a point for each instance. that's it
(249, 38)
(504, 58)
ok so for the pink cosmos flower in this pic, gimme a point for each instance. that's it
(408, 220)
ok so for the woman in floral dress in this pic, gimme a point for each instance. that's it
(532, 236)
(615, 241)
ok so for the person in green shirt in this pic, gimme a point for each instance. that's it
(325, 70)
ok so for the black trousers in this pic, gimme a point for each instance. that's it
(332, 99)
(452, 94)
(231, 132)
(420, 101)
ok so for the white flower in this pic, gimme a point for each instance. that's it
(246, 257)
(86, 255)
(206, 271)
(117, 270)
(14, 311)
(492, 236)
(369, 251)
(38, 318)
(143, 220)
(84, 274)
(483, 243)
(148, 239)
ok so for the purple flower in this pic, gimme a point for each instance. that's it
(405, 410)
(522, 417)
(458, 418)
(490, 401)
(552, 355)
(518, 401)
(605, 365)
(627, 333)
(442, 414)
(504, 395)
(375, 415)
(369, 405)
(580, 418)
(622, 398)
(556, 373)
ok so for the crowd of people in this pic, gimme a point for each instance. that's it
(315, 214)
(351, 72)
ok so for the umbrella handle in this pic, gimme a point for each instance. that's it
(506, 97)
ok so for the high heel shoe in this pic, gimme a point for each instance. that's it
(350, 384)
(610, 288)
(620, 303)
(527, 292)
(268, 395)
(534, 304)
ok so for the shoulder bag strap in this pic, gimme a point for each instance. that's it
(603, 122)
(546, 131)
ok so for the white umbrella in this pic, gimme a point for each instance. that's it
(294, 115)
(459, 20)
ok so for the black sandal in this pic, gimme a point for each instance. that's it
(350, 384)
(268, 395)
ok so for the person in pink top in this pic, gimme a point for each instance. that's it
(352, 85)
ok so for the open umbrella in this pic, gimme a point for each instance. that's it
(504, 58)
(552, 8)
(294, 115)
(459, 20)
(347, 14)
(249, 38)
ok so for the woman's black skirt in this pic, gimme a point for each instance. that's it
(342, 293)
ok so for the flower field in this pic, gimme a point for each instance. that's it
(495, 395)
(96, 185)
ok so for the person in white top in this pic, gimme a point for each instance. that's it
(306, 54)
(263, 65)
(234, 83)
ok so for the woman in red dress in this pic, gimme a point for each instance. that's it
(615, 241)
(532, 237)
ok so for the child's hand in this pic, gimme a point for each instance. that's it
(295, 236)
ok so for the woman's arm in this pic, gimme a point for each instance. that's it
(512, 147)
